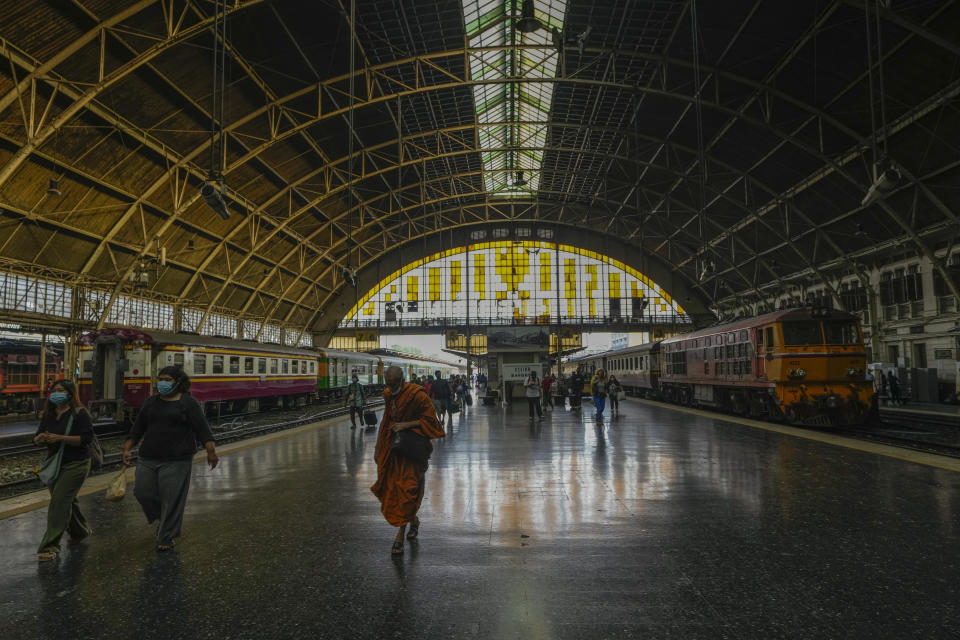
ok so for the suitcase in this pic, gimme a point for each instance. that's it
(370, 418)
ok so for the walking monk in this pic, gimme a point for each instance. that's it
(400, 480)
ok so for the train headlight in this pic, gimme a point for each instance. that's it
(801, 373)
(852, 371)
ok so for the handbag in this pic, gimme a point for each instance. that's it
(452, 406)
(49, 471)
(410, 444)
(621, 395)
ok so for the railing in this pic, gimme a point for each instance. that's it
(444, 323)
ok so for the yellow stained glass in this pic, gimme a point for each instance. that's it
(455, 279)
(413, 288)
(436, 274)
(570, 313)
(480, 275)
(512, 265)
(570, 278)
(614, 279)
(593, 308)
(545, 272)
(591, 280)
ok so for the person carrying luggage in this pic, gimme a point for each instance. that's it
(355, 399)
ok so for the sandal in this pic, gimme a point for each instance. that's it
(397, 549)
(414, 530)
(46, 556)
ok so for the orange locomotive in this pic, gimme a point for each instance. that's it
(801, 366)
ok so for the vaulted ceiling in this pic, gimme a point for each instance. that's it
(733, 141)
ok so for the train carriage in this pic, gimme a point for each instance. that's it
(118, 368)
(337, 368)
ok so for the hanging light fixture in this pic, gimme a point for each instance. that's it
(54, 188)
(528, 23)
(520, 182)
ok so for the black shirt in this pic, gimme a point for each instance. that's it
(82, 426)
(170, 429)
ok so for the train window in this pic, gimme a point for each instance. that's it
(294, 366)
(261, 365)
(178, 360)
(769, 337)
(717, 353)
(731, 337)
(286, 365)
(719, 338)
(218, 364)
(706, 341)
(801, 333)
(706, 368)
(841, 333)
(248, 366)
(760, 338)
(273, 365)
(743, 334)
(234, 364)
(746, 366)
(313, 367)
(706, 354)
(199, 363)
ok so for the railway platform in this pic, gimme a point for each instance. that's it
(661, 523)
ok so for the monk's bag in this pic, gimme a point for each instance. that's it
(410, 444)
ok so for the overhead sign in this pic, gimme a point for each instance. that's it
(518, 338)
(367, 335)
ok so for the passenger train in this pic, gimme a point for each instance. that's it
(119, 366)
(799, 366)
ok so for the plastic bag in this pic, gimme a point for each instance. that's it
(118, 486)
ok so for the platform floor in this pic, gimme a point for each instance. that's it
(660, 524)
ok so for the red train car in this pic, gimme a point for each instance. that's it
(21, 381)
(118, 369)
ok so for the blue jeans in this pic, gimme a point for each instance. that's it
(600, 402)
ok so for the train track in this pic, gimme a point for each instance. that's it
(236, 429)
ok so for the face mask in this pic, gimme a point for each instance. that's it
(164, 387)
(58, 397)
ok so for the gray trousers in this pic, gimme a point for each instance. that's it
(161, 489)
(64, 512)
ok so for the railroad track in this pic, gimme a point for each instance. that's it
(229, 432)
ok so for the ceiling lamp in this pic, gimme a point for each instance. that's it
(54, 188)
(528, 22)
(519, 182)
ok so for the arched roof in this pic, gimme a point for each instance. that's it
(741, 167)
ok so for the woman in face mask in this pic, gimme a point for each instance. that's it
(64, 409)
(171, 424)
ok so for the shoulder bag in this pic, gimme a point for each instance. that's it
(49, 471)
(408, 443)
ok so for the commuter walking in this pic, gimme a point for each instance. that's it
(894, 389)
(65, 426)
(440, 393)
(533, 390)
(356, 398)
(598, 386)
(613, 389)
(576, 390)
(171, 424)
(400, 479)
(547, 400)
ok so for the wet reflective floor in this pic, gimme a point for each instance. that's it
(658, 524)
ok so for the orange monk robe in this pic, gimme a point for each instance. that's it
(400, 481)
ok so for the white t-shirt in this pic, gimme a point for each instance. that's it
(533, 391)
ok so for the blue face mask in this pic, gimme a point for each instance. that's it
(164, 387)
(58, 397)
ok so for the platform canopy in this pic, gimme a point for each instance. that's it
(745, 146)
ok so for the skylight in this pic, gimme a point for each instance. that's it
(512, 116)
